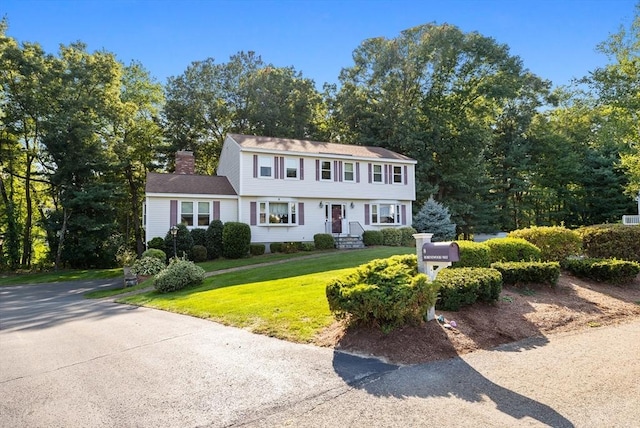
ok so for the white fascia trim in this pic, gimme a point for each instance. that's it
(190, 196)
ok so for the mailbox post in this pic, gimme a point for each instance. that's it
(433, 256)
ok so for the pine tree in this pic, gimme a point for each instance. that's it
(434, 218)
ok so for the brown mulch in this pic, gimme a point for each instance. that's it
(520, 313)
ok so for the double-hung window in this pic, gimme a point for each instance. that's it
(348, 171)
(277, 213)
(291, 168)
(265, 167)
(397, 175)
(385, 214)
(195, 213)
(377, 174)
(325, 170)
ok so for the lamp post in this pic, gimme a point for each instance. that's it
(174, 233)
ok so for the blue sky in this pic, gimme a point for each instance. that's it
(556, 39)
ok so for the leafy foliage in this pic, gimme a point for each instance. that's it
(154, 252)
(147, 265)
(555, 243)
(183, 242)
(180, 273)
(213, 239)
(199, 236)
(434, 218)
(199, 253)
(372, 237)
(385, 292)
(464, 286)
(512, 250)
(236, 238)
(605, 270)
(528, 272)
(473, 254)
(324, 241)
(391, 237)
(611, 241)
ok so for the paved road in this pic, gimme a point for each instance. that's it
(70, 362)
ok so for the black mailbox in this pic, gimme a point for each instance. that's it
(440, 252)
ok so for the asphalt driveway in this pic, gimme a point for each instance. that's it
(70, 362)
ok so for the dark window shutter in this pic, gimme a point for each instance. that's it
(317, 169)
(216, 210)
(370, 173)
(282, 167)
(366, 213)
(335, 171)
(386, 174)
(301, 214)
(404, 214)
(301, 169)
(357, 172)
(252, 214)
(173, 212)
(276, 169)
(406, 174)
(255, 166)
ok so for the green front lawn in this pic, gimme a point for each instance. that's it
(284, 300)
(60, 276)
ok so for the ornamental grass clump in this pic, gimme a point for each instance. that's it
(180, 273)
(386, 293)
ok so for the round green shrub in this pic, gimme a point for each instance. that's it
(213, 239)
(236, 238)
(512, 250)
(184, 242)
(199, 253)
(307, 246)
(275, 247)
(555, 242)
(528, 272)
(154, 252)
(324, 241)
(384, 292)
(473, 254)
(257, 249)
(199, 236)
(372, 237)
(604, 270)
(156, 243)
(608, 241)
(147, 265)
(179, 274)
(391, 237)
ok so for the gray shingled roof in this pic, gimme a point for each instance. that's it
(187, 183)
(304, 146)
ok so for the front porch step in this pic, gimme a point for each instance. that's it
(348, 242)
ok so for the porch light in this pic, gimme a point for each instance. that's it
(321, 204)
(352, 205)
(174, 232)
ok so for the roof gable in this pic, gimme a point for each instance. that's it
(188, 184)
(249, 142)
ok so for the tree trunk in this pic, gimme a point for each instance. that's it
(28, 222)
(63, 231)
(135, 211)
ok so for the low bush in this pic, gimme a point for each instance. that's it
(199, 253)
(156, 243)
(464, 286)
(372, 237)
(385, 292)
(154, 252)
(556, 243)
(611, 241)
(290, 247)
(147, 265)
(604, 270)
(512, 250)
(324, 241)
(199, 236)
(275, 247)
(528, 272)
(307, 246)
(257, 249)
(179, 274)
(473, 254)
(236, 238)
(391, 237)
(406, 236)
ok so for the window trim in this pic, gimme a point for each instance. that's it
(323, 170)
(291, 164)
(399, 175)
(195, 212)
(265, 162)
(353, 172)
(263, 217)
(373, 173)
(374, 210)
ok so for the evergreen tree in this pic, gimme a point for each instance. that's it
(434, 218)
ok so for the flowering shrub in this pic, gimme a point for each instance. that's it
(179, 274)
(147, 265)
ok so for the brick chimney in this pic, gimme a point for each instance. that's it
(185, 162)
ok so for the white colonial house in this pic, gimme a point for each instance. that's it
(286, 190)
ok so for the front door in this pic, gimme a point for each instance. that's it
(336, 218)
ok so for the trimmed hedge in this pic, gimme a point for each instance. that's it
(257, 249)
(609, 241)
(213, 239)
(556, 243)
(199, 252)
(407, 239)
(179, 274)
(236, 238)
(464, 286)
(385, 292)
(512, 250)
(473, 254)
(603, 270)
(372, 237)
(528, 272)
(199, 236)
(157, 243)
(391, 237)
(324, 241)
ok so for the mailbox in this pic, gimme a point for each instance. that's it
(440, 252)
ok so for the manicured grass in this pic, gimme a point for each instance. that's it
(60, 276)
(286, 300)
